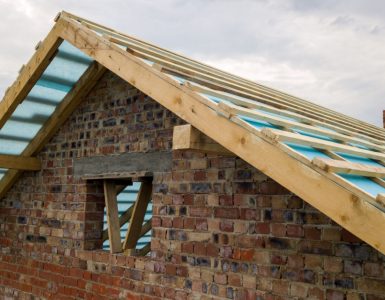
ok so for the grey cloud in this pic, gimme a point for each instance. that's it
(325, 50)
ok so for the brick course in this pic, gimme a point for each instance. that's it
(221, 229)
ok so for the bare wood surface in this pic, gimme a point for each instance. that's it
(123, 219)
(186, 137)
(18, 162)
(283, 136)
(112, 216)
(345, 167)
(137, 218)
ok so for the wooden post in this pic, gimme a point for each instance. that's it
(135, 226)
(112, 216)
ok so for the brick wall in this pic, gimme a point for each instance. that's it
(222, 229)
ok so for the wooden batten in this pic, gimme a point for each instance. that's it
(345, 167)
(276, 135)
(230, 110)
(186, 137)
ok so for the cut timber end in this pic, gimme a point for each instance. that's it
(187, 137)
(270, 134)
(381, 199)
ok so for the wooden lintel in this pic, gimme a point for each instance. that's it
(17, 162)
(345, 167)
(129, 165)
(187, 137)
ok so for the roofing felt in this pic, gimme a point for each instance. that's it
(311, 150)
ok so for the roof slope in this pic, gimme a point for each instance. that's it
(334, 162)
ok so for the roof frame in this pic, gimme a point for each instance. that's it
(359, 215)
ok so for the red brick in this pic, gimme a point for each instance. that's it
(262, 228)
(226, 225)
(200, 211)
(234, 279)
(220, 278)
(226, 213)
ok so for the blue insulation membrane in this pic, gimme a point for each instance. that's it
(177, 78)
(359, 146)
(365, 184)
(307, 151)
(257, 123)
(213, 98)
(63, 72)
(125, 199)
(147, 61)
(217, 100)
(359, 159)
(314, 135)
(2, 173)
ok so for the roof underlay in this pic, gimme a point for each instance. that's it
(334, 162)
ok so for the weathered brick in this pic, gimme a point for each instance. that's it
(220, 227)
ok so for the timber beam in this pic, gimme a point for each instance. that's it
(17, 162)
(187, 137)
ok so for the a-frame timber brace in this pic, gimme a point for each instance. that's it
(263, 150)
(134, 215)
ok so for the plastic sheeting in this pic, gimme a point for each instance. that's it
(65, 69)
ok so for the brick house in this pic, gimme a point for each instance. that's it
(239, 191)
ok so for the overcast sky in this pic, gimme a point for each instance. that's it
(327, 51)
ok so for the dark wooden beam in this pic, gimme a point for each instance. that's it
(123, 165)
